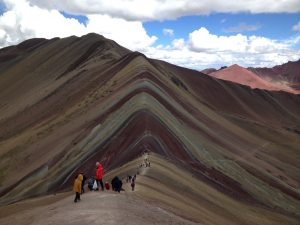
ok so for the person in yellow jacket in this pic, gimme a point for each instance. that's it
(77, 187)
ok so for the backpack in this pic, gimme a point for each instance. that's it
(107, 186)
(95, 186)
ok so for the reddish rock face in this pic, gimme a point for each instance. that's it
(68, 103)
(261, 78)
(288, 73)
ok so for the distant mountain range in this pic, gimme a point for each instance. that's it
(223, 153)
(285, 77)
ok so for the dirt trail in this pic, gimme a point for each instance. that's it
(105, 208)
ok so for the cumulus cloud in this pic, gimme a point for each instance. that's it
(201, 40)
(296, 27)
(178, 43)
(243, 27)
(167, 9)
(129, 34)
(168, 32)
(203, 49)
(22, 21)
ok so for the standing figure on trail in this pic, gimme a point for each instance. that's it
(77, 187)
(116, 184)
(99, 175)
(91, 183)
(133, 183)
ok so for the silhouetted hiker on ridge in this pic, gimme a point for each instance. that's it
(99, 175)
(77, 187)
(133, 183)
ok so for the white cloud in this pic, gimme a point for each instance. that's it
(130, 34)
(296, 27)
(178, 43)
(168, 32)
(167, 9)
(23, 21)
(202, 40)
(204, 49)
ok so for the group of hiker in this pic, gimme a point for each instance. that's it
(96, 182)
(146, 161)
(80, 179)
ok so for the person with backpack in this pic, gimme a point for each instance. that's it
(99, 176)
(91, 183)
(77, 187)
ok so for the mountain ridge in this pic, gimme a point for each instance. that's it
(239, 141)
(283, 77)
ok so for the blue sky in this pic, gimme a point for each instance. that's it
(274, 26)
(80, 18)
(196, 34)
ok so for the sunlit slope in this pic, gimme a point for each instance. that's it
(172, 186)
(165, 193)
(113, 105)
(240, 75)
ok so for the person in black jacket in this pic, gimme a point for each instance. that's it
(116, 184)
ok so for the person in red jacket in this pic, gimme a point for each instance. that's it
(99, 175)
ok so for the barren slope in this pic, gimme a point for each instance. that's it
(288, 73)
(240, 75)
